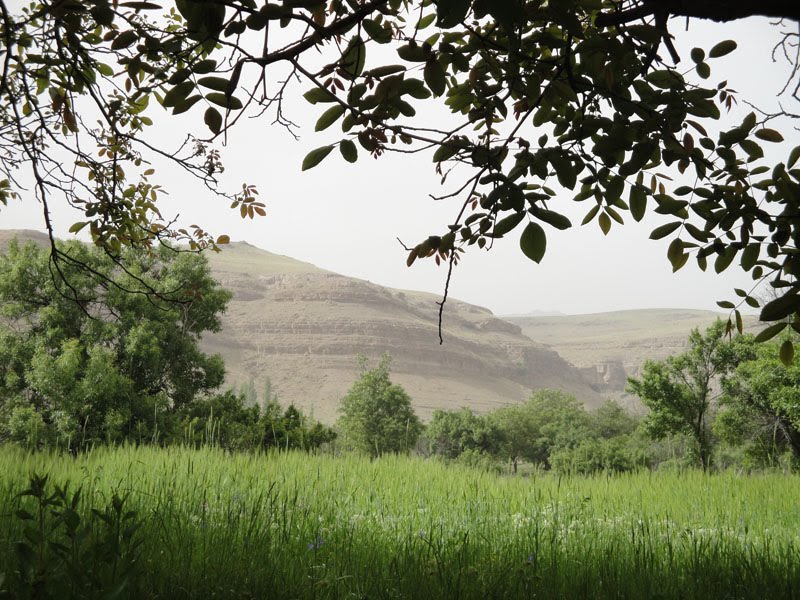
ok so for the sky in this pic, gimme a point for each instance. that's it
(348, 218)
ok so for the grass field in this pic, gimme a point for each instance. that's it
(295, 526)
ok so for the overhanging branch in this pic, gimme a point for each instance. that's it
(713, 10)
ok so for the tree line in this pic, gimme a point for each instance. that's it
(121, 367)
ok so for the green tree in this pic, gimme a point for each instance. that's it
(549, 420)
(231, 421)
(679, 391)
(376, 416)
(611, 445)
(576, 92)
(227, 420)
(761, 406)
(115, 364)
(453, 432)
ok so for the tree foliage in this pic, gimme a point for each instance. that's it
(550, 419)
(376, 416)
(761, 406)
(572, 99)
(679, 390)
(453, 432)
(114, 366)
(228, 421)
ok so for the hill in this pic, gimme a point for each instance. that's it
(300, 328)
(609, 347)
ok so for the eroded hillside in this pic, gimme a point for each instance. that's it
(302, 327)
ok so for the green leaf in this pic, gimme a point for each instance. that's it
(724, 260)
(787, 352)
(186, 104)
(315, 157)
(426, 21)
(177, 93)
(664, 230)
(376, 31)
(213, 119)
(229, 102)
(723, 48)
(219, 84)
(256, 21)
(698, 55)
(450, 13)
(591, 214)
(769, 135)
(124, 39)
(76, 227)
(780, 308)
(435, 76)
(675, 254)
(384, 70)
(503, 226)
(533, 242)
(638, 202)
(354, 57)
(794, 155)
(105, 70)
(605, 223)
(204, 66)
(750, 256)
(316, 95)
(665, 78)
(703, 70)
(444, 152)
(329, 117)
(412, 52)
(553, 218)
(770, 332)
(348, 150)
(565, 171)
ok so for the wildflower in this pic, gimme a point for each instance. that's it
(316, 544)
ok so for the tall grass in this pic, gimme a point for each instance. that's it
(297, 526)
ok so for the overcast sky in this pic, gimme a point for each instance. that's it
(346, 218)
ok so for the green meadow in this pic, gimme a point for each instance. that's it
(181, 523)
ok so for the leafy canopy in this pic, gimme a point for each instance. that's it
(548, 101)
(761, 405)
(679, 390)
(376, 416)
(113, 366)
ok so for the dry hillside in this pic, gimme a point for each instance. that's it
(302, 327)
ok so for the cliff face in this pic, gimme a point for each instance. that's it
(302, 328)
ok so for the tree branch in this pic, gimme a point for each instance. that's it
(713, 10)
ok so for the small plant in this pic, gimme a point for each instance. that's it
(62, 555)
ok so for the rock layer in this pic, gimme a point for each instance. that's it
(303, 327)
